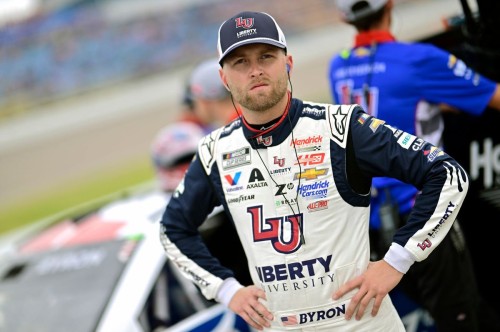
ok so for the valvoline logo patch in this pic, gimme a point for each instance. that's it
(233, 179)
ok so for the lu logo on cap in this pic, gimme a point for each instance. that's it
(246, 23)
(248, 28)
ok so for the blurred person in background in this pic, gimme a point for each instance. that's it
(206, 105)
(409, 85)
(172, 150)
(209, 101)
(187, 112)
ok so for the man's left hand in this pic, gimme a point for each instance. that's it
(375, 283)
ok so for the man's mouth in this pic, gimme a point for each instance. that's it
(258, 85)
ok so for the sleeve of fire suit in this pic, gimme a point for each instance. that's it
(382, 150)
(191, 203)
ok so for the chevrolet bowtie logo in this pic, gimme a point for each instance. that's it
(310, 173)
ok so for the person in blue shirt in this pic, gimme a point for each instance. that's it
(409, 85)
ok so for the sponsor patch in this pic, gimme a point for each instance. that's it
(315, 190)
(311, 159)
(285, 202)
(313, 112)
(279, 161)
(433, 153)
(310, 143)
(375, 123)
(232, 180)
(317, 206)
(311, 148)
(447, 213)
(331, 312)
(280, 171)
(282, 188)
(256, 179)
(241, 198)
(362, 119)
(418, 144)
(311, 173)
(406, 140)
(236, 158)
(267, 141)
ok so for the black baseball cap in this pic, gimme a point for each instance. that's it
(248, 28)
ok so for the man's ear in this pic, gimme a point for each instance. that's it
(223, 78)
(289, 64)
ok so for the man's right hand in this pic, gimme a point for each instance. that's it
(246, 304)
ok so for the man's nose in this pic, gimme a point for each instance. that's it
(255, 69)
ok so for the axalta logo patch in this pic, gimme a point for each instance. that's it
(256, 179)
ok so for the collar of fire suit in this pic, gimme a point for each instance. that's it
(257, 132)
(367, 38)
(276, 133)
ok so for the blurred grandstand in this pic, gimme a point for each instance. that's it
(63, 48)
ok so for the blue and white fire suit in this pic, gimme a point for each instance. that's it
(299, 197)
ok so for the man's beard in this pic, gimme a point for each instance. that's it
(261, 103)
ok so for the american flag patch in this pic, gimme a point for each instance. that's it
(289, 320)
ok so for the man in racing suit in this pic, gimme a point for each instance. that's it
(294, 177)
